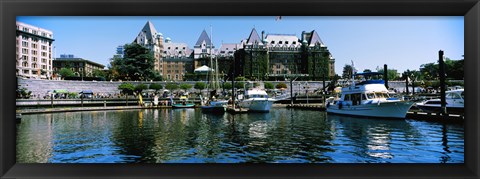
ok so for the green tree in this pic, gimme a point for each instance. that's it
(429, 71)
(137, 63)
(391, 74)
(66, 72)
(240, 78)
(268, 85)
(127, 89)
(227, 85)
(200, 86)
(454, 69)
(156, 86)
(139, 88)
(239, 85)
(171, 86)
(281, 85)
(347, 71)
(185, 86)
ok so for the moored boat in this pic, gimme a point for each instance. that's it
(216, 106)
(369, 98)
(257, 100)
(184, 103)
(454, 103)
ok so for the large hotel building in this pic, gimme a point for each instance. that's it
(34, 52)
(258, 57)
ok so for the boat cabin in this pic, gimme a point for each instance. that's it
(255, 93)
(370, 90)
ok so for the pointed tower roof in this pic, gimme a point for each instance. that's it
(254, 37)
(314, 39)
(203, 37)
(149, 31)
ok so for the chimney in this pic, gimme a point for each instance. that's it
(263, 35)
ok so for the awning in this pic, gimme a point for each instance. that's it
(203, 68)
(60, 91)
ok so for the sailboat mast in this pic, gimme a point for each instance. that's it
(211, 63)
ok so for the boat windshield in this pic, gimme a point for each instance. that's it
(454, 96)
(381, 95)
(258, 96)
(377, 95)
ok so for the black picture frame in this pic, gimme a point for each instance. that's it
(470, 9)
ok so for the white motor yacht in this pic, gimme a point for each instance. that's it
(454, 103)
(369, 98)
(257, 100)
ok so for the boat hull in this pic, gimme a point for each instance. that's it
(183, 106)
(396, 109)
(213, 109)
(257, 105)
(437, 109)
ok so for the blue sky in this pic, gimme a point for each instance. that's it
(400, 42)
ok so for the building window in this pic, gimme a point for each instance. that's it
(44, 47)
(286, 42)
(25, 29)
(34, 59)
(24, 51)
(279, 42)
(272, 42)
(24, 44)
(294, 42)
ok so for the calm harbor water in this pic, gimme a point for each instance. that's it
(190, 136)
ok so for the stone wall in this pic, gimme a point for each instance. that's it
(41, 87)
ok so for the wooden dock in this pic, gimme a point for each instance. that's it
(317, 107)
(237, 110)
(435, 117)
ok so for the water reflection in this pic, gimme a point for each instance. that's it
(190, 136)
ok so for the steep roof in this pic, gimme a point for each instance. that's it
(289, 40)
(149, 31)
(314, 39)
(254, 37)
(203, 37)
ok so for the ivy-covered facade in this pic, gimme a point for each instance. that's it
(280, 56)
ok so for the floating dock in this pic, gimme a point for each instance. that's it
(435, 117)
(317, 107)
